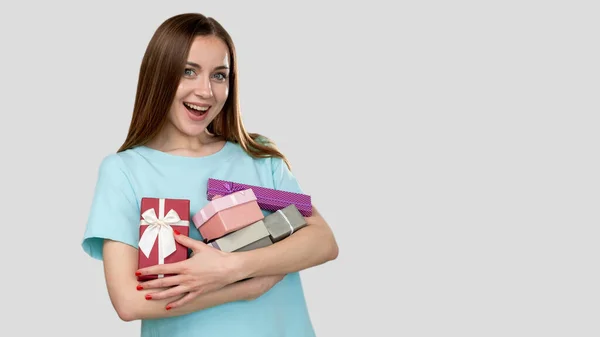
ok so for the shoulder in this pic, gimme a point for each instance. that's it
(276, 168)
(275, 163)
(111, 164)
(271, 163)
(117, 166)
(264, 140)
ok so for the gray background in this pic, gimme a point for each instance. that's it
(452, 146)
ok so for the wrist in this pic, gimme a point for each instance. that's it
(238, 266)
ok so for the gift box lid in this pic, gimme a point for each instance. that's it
(219, 204)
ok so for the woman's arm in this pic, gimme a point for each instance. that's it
(210, 269)
(312, 245)
(120, 264)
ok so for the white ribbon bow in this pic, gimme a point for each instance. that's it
(159, 227)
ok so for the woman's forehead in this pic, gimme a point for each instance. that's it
(209, 51)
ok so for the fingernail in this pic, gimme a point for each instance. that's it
(148, 297)
(137, 273)
(176, 232)
(168, 307)
(139, 287)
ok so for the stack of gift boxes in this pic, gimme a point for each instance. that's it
(232, 221)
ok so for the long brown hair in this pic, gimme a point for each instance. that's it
(160, 72)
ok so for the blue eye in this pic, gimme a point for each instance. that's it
(221, 76)
(189, 72)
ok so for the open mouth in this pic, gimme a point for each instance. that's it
(196, 109)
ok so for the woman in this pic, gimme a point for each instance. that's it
(186, 127)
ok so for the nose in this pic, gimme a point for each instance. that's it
(203, 87)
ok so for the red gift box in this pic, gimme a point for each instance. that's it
(157, 245)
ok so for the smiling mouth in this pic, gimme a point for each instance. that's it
(196, 110)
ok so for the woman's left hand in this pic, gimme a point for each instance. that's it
(208, 269)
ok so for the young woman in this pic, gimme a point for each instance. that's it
(186, 127)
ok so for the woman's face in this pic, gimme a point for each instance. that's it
(203, 88)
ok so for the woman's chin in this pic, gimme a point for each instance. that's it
(192, 131)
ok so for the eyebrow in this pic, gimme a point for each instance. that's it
(196, 65)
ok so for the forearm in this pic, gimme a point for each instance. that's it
(144, 309)
(120, 263)
(312, 245)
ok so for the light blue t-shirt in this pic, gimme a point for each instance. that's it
(125, 177)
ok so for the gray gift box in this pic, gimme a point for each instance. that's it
(284, 222)
(253, 236)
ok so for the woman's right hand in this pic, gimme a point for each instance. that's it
(259, 285)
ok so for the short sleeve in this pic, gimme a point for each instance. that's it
(114, 212)
(283, 178)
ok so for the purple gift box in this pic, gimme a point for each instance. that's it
(268, 199)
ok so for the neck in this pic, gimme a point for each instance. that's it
(172, 140)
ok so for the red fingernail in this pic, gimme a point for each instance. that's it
(176, 232)
(148, 297)
(139, 287)
(137, 273)
(168, 307)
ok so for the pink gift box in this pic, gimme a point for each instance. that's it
(227, 214)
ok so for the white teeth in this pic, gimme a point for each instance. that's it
(195, 107)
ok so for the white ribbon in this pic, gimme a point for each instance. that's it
(286, 220)
(160, 227)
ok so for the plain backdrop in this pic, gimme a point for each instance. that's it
(451, 145)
